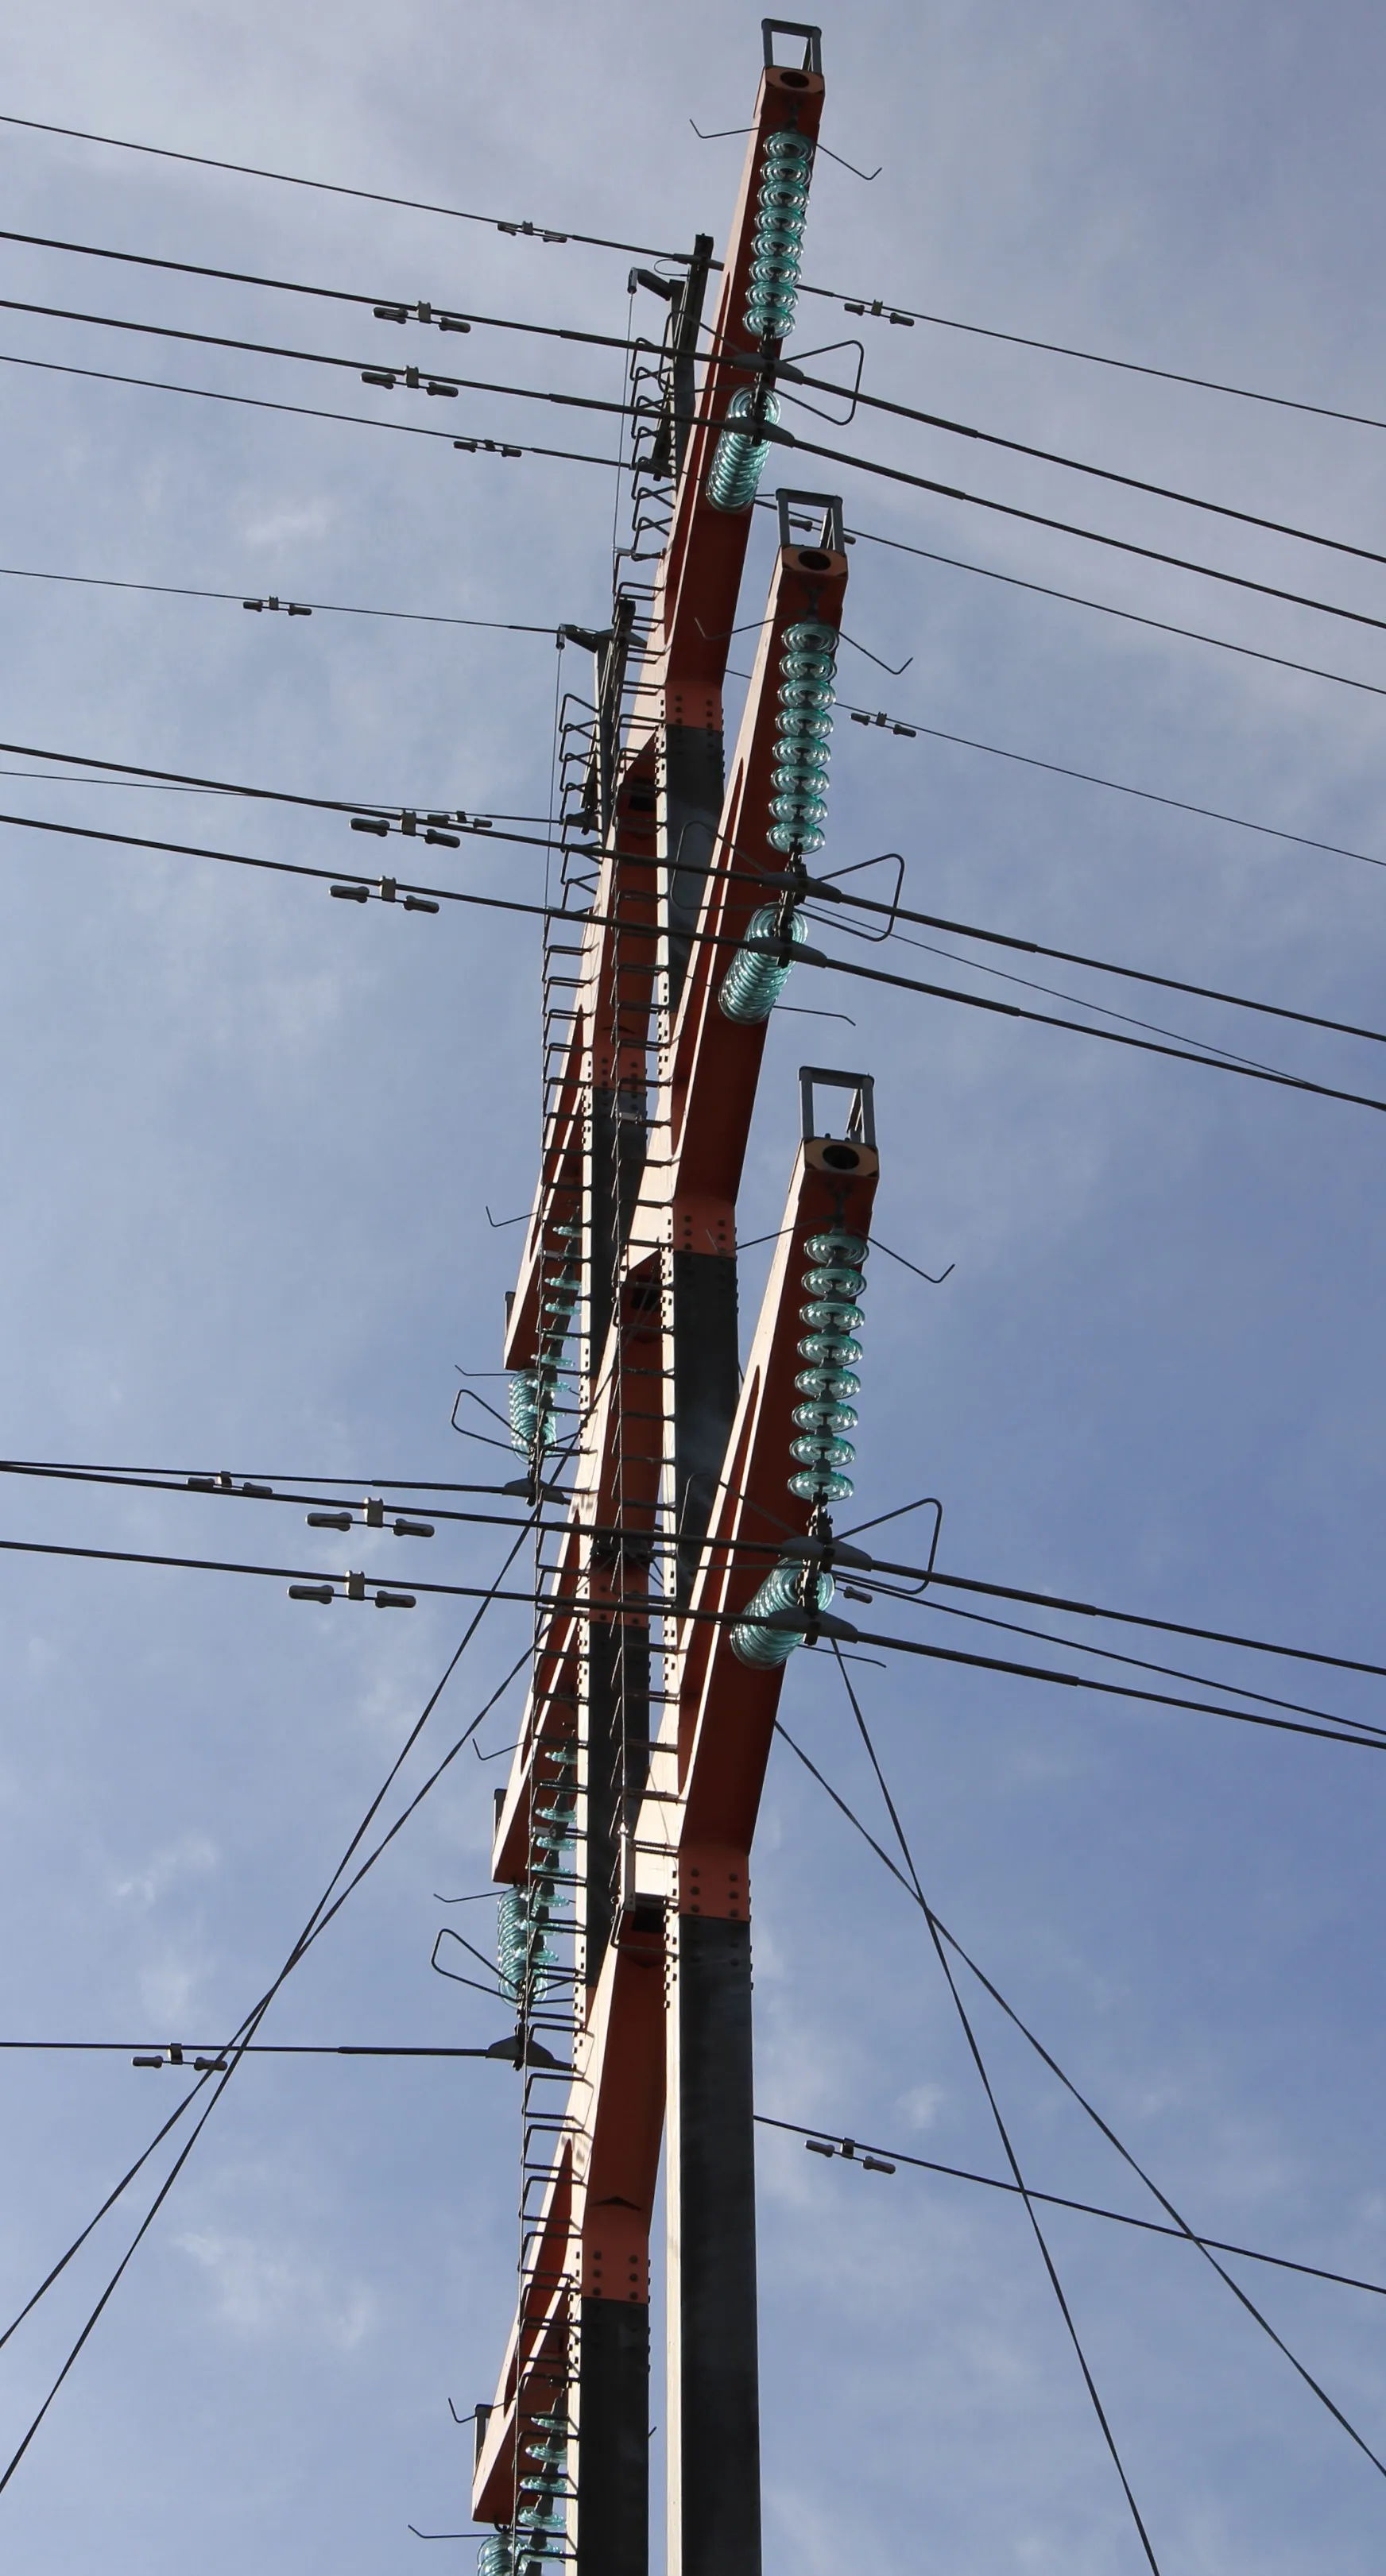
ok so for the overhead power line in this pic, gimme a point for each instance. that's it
(1113, 1037)
(856, 2147)
(907, 725)
(300, 1491)
(329, 1904)
(316, 607)
(883, 309)
(312, 411)
(385, 308)
(327, 1510)
(1107, 1654)
(642, 250)
(774, 432)
(974, 2050)
(435, 381)
(785, 373)
(311, 1583)
(863, 536)
(421, 898)
(256, 2048)
(437, 825)
(1104, 965)
(144, 774)
(1141, 1619)
(1372, 1738)
(335, 188)
(782, 437)
(191, 2052)
(1127, 616)
(943, 1943)
(373, 370)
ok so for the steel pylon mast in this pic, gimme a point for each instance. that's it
(693, 1546)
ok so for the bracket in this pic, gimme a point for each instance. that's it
(770, 28)
(861, 1118)
(830, 534)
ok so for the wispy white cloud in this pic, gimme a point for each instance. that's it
(278, 2293)
(189, 1856)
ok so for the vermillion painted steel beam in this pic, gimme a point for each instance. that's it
(720, 1731)
(699, 579)
(709, 1068)
(588, 2245)
(700, 576)
(711, 1065)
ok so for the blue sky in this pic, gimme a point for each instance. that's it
(250, 1140)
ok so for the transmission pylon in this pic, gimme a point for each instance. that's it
(690, 1549)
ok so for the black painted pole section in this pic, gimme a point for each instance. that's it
(706, 1386)
(714, 2379)
(690, 810)
(613, 2445)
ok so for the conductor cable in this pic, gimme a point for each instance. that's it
(776, 434)
(310, 1583)
(642, 250)
(307, 411)
(786, 374)
(783, 372)
(925, 1579)
(1008, 2150)
(335, 188)
(1106, 608)
(322, 1913)
(427, 898)
(939, 1937)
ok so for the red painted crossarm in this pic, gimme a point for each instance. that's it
(700, 576)
(712, 1065)
(724, 1718)
(591, 2230)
